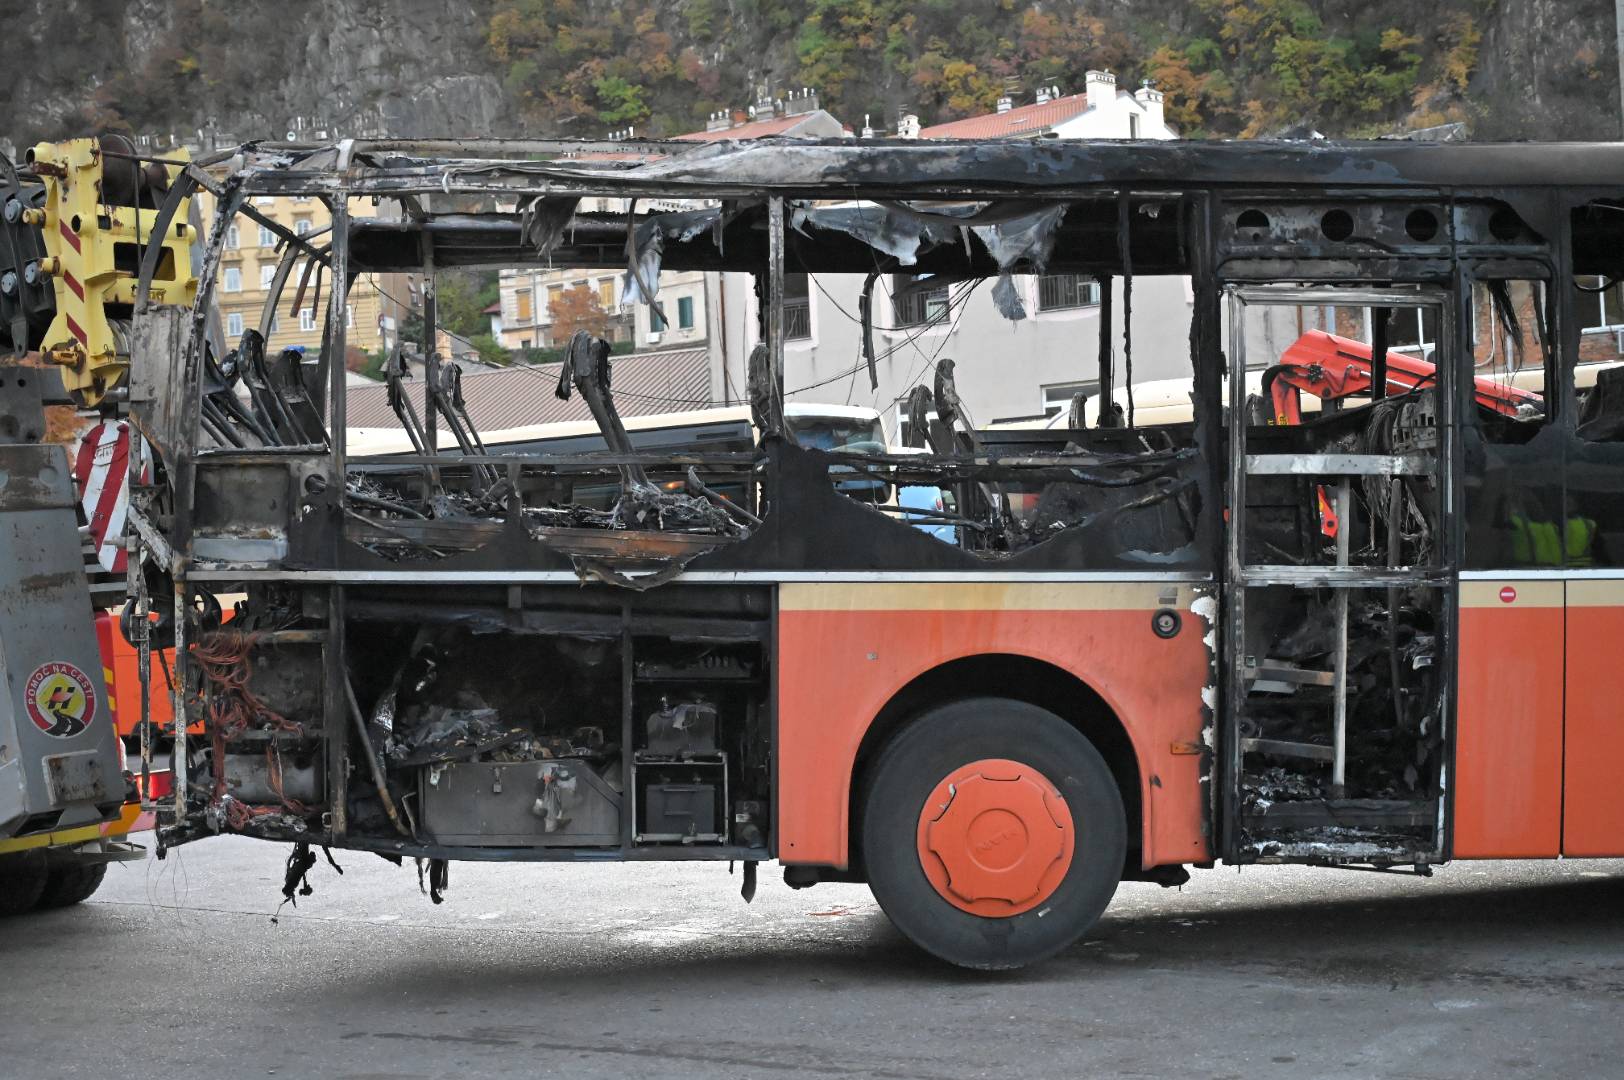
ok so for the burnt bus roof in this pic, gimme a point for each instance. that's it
(918, 168)
(739, 176)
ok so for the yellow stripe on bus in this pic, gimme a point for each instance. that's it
(982, 596)
(1522, 593)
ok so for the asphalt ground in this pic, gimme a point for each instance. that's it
(176, 969)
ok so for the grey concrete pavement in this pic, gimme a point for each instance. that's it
(175, 969)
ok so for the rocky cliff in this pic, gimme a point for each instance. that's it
(249, 70)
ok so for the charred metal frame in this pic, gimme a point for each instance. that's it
(811, 532)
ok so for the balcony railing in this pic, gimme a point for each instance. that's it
(1056, 291)
(797, 318)
(918, 306)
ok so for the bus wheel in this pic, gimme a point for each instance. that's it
(993, 833)
(22, 881)
(71, 884)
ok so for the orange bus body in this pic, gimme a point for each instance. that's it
(847, 649)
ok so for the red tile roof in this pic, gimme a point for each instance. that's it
(1025, 120)
(670, 380)
(755, 129)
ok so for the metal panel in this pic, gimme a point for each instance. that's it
(496, 804)
(56, 709)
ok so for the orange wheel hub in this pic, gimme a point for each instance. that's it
(995, 838)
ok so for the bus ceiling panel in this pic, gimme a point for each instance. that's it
(1371, 271)
(1084, 242)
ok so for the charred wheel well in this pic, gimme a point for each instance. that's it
(1019, 678)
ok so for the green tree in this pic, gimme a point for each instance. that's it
(490, 350)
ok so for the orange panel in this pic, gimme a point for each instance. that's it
(121, 666)
(845, 649)
(1508, 743)
(1593, 795)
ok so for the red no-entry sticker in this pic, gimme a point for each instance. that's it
(1507, 595)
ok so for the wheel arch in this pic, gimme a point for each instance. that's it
(1018, 678)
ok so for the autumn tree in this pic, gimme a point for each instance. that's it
(577, 308)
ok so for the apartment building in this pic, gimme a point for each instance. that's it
(248, 266)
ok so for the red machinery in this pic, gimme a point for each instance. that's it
(1332, 368)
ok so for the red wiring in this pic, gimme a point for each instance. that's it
(232, 709)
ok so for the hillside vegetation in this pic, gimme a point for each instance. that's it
(1510, 68)
(1229, 67)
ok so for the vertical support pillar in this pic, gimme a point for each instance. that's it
(335, 699)
(775, 295)
(1339, 723)
(338, 298)
(431, 323)
(628, 732)
(1105, 412)
(1380, 318)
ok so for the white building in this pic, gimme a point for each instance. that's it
(1100, 112)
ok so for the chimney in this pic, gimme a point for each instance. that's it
(1150, 99)
(1005, 103)
(718, 121)
(802, 101)
(1043, 96)
(1101, 88)
(908, 127)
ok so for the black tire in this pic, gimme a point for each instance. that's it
(71, 884)
(926, 752)
(22, 881)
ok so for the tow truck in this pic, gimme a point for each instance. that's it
(74, 219)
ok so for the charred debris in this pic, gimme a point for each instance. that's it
(415, 668)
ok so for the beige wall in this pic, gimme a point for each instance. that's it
(526, 297)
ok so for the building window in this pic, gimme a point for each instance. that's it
(276, 322)
(521, 301)
(797, 306)
(265, 200)
(267, 274)
(656, 323)
(1059, 291)
(553, 293)
(266, 237)
(233, 279)
(1057, 398)
(234, 324)
(233, 238)
(301, 226)
(606, 294)
(1603, 310)
(349, 316)
(916, 301)
(524, 343)
(685, 312)
(307, 319)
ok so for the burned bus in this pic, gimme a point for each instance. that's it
(1368, 636)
